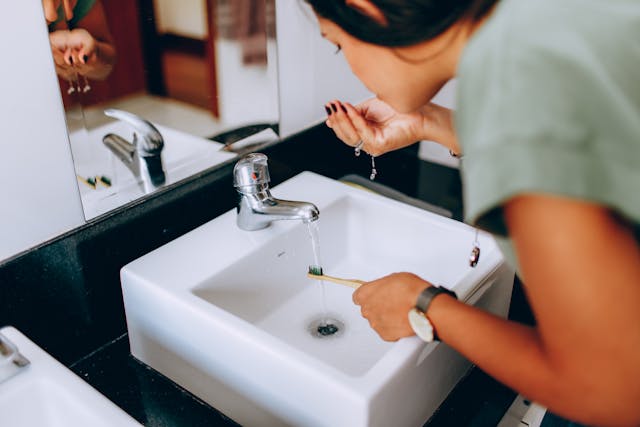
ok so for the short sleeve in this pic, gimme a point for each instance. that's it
(540, 114)
(82, 9)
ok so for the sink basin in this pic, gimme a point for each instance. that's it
(47, 394)
(183, 155)
(226, 313)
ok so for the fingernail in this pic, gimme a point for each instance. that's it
(85, 58)
(328, 110)
(334, 108)
(343, 108)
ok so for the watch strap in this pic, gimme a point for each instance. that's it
(426, 297)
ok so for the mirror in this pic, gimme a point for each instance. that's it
(185, 85)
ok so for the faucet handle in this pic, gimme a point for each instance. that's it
(251, 173)
(148, 139)
(10, 359)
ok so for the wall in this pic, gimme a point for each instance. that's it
(433, 151)
(185, 17)
(247, 94)
(309, 73)
(39, 196)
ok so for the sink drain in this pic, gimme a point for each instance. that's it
(326, 327)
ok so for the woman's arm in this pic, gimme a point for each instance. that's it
(581, 266)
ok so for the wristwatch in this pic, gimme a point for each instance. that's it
(418, 319)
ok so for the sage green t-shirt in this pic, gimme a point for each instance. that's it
(80, 10)
(549, 102)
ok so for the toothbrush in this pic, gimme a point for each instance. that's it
(315, 272)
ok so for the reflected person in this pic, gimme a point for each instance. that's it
(548, 122)
(81, 42)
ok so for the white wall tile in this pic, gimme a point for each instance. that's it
(309, 71)
(39, 196)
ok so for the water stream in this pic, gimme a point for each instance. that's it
(314, 233)
(325, 326)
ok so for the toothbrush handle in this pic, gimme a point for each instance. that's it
(352, 283)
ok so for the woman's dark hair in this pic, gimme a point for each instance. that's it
(408, 21)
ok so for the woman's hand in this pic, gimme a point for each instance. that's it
(62, 54)
(73, 49)
(386, 302)
(74, 52)
(382, 129)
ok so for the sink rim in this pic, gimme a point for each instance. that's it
(239, 243)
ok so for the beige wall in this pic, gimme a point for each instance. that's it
(185, 17)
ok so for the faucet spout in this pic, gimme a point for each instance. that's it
(142, 156)
(257, 208)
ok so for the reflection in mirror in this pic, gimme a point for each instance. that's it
(185, 85)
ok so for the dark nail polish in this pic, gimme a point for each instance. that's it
(71, 60)
(86, 58)
(328, 110)
(334, 108)
(343, 109)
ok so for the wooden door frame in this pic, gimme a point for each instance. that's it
(151, 49)
(212, 35)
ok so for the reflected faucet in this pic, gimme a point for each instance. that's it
(257, 208)
(11, 361)
(142, 156)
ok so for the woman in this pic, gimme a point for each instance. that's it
(80, 39)
(548, 124)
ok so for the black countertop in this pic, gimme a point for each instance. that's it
(71, 283)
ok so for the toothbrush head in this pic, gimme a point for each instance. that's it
(315, 270)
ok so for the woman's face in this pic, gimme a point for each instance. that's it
(404, 78)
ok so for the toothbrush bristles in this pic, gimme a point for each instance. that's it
(316, 270)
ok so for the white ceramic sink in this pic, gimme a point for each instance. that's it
(225, 313)
(47, 394)
(183, 155)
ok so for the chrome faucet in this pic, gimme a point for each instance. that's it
(257, 208)
(142, 156)
(11, 361)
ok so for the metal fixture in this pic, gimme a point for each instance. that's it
(142, 156)
(257, 208)
(11, 361)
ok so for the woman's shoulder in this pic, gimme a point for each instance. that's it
(548, 101)
(559, 55)
(521, 32)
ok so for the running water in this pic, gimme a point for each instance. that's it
(314, 233)
(325, 326)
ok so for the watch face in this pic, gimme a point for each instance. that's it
(421, 325)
